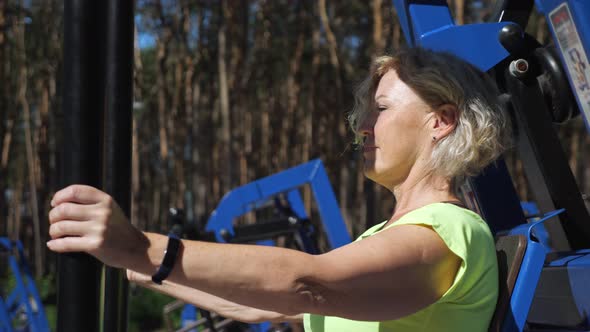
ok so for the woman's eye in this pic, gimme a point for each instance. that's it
(381, 108)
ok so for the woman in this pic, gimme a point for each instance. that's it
(426, 121)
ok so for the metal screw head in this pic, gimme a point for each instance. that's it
(225, 234)
(519, 68)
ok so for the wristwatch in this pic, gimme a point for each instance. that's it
(170, 255)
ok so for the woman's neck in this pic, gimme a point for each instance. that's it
(429, 189)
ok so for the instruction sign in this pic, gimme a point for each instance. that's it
(574, 55)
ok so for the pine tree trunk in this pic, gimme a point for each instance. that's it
(378, 40)
(136, 196)
(344, 174)
(29, 149)
(42, 159)
(397, 35)
(293, 88)
(198, 171)
(162, 182)
(161, 83)
(16, 205)
(460, 12)
(308, 133)
(226, 153)
(189, 114)
(541, 33)
(266, 100)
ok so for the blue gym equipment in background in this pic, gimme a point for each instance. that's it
(258, 194)
(21, 303)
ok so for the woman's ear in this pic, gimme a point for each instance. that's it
(445, 120)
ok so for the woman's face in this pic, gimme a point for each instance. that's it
(396, 132)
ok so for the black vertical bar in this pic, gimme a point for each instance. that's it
(117, 143)
(546, 165)
(79, 274)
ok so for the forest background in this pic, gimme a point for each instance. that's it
(225, 92)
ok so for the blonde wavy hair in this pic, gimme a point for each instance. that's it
(482, 132)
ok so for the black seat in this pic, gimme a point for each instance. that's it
(510, 251)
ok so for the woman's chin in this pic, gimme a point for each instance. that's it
(369, 171)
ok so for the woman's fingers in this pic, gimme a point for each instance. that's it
(72, 244)
(79, 194)
(69, 228)
(72, 211)
(86, 219)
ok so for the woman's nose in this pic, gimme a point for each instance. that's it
(366, 128)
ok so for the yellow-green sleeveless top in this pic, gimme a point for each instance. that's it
(469, 303)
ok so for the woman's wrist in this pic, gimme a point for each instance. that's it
(145, 257)
(138, 278)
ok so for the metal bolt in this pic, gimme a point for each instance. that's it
(225, 234)
(519, 68)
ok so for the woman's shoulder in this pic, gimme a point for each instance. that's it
(445, 218)
(468, 236)
(448, 216)
(462, 230)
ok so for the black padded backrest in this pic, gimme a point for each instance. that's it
(510, 251)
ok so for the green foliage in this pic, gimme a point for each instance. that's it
(47, 288)
(51, 314)
(145, 310)
(8, 282)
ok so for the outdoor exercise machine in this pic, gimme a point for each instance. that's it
(282, 193)
(544, 265)
(541, 85)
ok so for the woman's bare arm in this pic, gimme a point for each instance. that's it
(386, 276)
(210, 302)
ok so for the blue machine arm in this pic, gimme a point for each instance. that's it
(530, 272)
(246, 198)
(24, 297)
(429, 24)
(256, 194)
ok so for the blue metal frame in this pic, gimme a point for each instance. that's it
(5, 325)
(430, 25)
(248, 197)
(24, 291)
(256, 194)
(578, 266)
(532, 213)
(529, 274)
